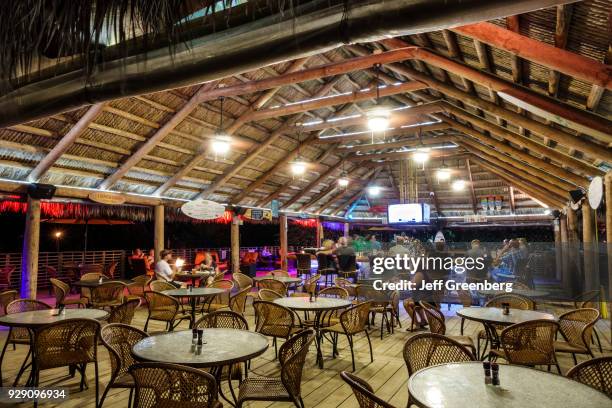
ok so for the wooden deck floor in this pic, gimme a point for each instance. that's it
(321, 388)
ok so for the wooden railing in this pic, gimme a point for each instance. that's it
(61, 261)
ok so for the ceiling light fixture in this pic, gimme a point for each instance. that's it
(343, 182)
(444, 173)
(298, 168)
(374, 191)
(221, 143)
(379, 115)
(421, 156)
(458, 185)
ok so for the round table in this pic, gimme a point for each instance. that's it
(494, 316)
(193, 294)
(461, 384)
(194, 275)
(287, 280)
(530, 293)
(222, 347)
(38, 318)
(318, 306)
(94, 283)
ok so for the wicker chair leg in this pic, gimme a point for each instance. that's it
(82, 370)
(597, 338)
(302, 402)
(462, 323)
(2, 357)
(275, 348)
(350, 340)
(574, 357)
(130, 398)
(97, 380)
(147, 322)
(106, 390)
(370, 344)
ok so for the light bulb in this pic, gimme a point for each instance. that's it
(443, 174)
(179, 262)
(373, 190)
(298, 167)
(343, 182)
(220, 145)
(458, 185)
(378, 118)
(421, 155)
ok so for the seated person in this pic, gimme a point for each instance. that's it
(342, 248)
(164, 271)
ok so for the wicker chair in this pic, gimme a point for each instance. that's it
(222, 319)
(332, 317)
(91, 268)
(139, 285)
(529, 343)
(220, 301)
(346, 284)
(437, 324)
(6, 277)
(273, 284)
(515, 301)
(90, 276)
(20, 335)
(352, 321)
(380, 302)
(160, 286)
(164, 308)
(576, 327)
(268, 295)
(395, 309)
(119, 339)
(596, 372)
(173, 386)
(61, 290)
(67, 343)
(287, 388)
(244, 281)
(413, 310)
(274, 321)
(428, 349)
(279, 273)
(347, 266)
(591, 300)
(110, 271)
(303, 264)
(108, 294)
(237, 302)
(124, 313)
(308, 288)
(7, 297)
(363, 392)
(465, 297)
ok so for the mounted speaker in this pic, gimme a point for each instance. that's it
(41, 191)
(576, 195)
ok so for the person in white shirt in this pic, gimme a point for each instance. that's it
(163, 270)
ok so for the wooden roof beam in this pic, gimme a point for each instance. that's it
(65, 143)
(274, 136)
(568, 63)
(541, 105)
(564, 17)
(157, 137)
(472, 192)
(370, 176)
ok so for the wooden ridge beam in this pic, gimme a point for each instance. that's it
(367, 134)
(393, 145)
(400, 155)
(322, 71)
(568, 63)
(65, 143)
(336, 100)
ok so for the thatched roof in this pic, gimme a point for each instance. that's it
(181, 165)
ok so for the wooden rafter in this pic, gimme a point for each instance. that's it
(472, 191)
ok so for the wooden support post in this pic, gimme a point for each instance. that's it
(29, 257)
(235, 244)
(558, 248)
(347, 227)
(565, 252)
(158, 237)
(588, 238)
(320, 236)
(608, 198)
(283, 242)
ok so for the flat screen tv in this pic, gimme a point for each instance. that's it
(408, 213)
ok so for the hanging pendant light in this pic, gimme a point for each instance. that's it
(379, 115)
(458, 185)
(343, 181)
(374, 191)
(298, 166)
(443, 173)
(221, 142)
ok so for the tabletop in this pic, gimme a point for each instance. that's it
(184, 292)
(496, 315)
(94, 283)
(454, 385)
(319, 303)
(37, 318)
(531, 293)
(284, 279)
(192, 274)
(222, 347)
